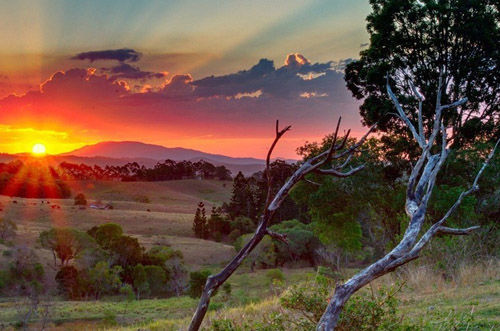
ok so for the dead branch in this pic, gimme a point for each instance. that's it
(420, 185)
(314, 164)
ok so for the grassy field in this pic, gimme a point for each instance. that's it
(437, 303)
(165, 218)
(154, 212)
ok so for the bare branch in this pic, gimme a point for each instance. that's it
(278, 236)
(334, 141)
(311, 182)
(408, 249)
(420, 139)
(279, 134)
(336, 173)
(420, 99)
(272, 204)
(457, 232)
(455, 104)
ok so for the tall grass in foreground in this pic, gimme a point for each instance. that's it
(429, 300)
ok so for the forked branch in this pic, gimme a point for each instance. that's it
(420, 185)
(315, 164)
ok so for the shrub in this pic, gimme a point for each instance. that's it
(227, 289)
(68, 282)
(233, 235)
(140, 280)
(378, 311)
(275, 274)
(243, 224)
(328, 272)
(127, 291)
(197, 280)
(80, 200)
(157, 279)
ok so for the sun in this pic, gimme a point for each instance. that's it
(39, 149)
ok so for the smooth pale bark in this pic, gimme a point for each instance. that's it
(417, 199)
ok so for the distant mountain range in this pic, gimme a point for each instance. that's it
(134, 149)
(122, 152)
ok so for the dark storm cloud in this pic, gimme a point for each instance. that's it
(126, 71)
(124, 54)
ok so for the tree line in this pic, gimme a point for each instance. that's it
(166, 170)
(353, 220)
(37, 179)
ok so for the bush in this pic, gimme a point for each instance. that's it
(68, 282)
(80, 200)
(127, 291)
(227, 289)
(243, 224)
(328, 272)
(197, 280)
(157, 279)
(378, 311)
(275, 274)
(233, 235)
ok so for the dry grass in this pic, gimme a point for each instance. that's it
(166, 218)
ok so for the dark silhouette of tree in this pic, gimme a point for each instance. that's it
(80, 200)
(413, 41)
(200, 226)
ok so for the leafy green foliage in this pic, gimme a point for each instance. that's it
(65, 243)
(197, 280)
(157, 278)
(69, 282)
(140, 280)
(275, 274)
(415, 39)
(106, 234)
(105, 279)
(377, 311)
(302, 242)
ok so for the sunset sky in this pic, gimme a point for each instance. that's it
(207, 75)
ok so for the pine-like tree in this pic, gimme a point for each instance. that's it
(200, 227)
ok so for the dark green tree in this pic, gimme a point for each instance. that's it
(68, 282)
(197, 281)
(200, 227)
(157, 279)
(140, 281)
(244, 197)
(106, 234)
(416, 41)
(65, 243)
(126, 251)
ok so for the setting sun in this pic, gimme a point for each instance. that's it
(39, 149)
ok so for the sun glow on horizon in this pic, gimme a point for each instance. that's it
(39, 149)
